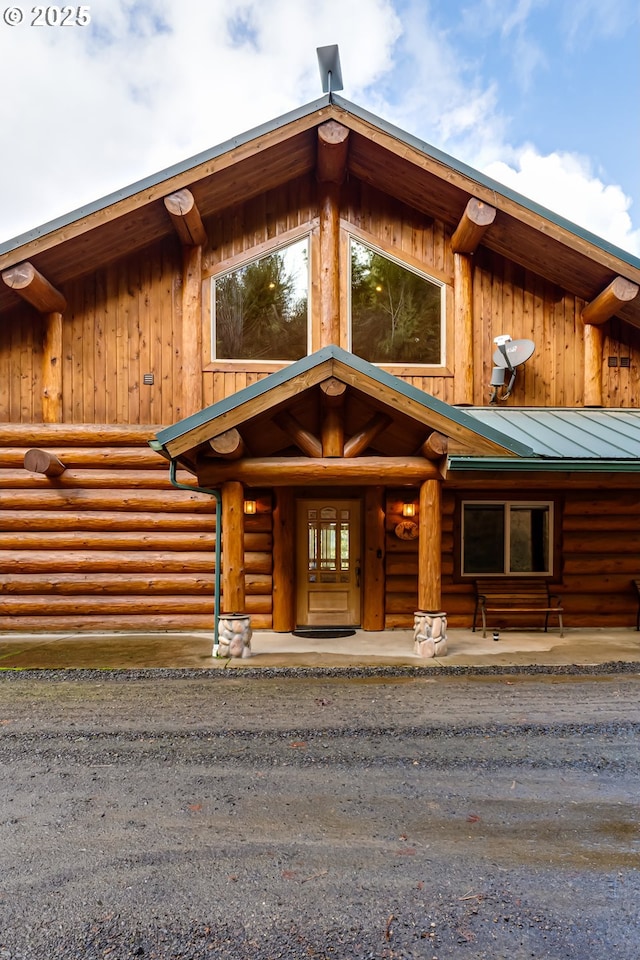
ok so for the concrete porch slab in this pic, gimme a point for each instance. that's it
(192, 650)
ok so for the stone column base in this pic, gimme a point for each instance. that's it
(430, 633)
(234, 635)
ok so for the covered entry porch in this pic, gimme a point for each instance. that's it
(326, 446)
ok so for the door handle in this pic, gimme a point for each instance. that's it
(358, 571)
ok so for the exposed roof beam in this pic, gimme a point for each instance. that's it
(435, 446)
(34, 288)
(228, 445)
(185, 216)
(333, 145)
(359, 442)
(306, 471)
(302, 437)
(41, 461)
(609, 301)
(475, 221)
(332, 394)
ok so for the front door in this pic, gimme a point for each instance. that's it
(328, 563)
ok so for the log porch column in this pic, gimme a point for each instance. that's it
(430, 548)
(233, 589)
(429, 620)
(373, 566)
(284, 561)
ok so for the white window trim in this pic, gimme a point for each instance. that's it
(244, 262)
(507, 505)
(351, 237)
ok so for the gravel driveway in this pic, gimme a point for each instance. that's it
(186, 816)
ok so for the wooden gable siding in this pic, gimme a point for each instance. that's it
(21, 333)
(122, 322)
(237, 234)
(510, 299)
(125, 319)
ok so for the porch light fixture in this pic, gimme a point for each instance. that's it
(408, 509)
(249, 506)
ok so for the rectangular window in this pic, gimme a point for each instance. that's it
(397, 314)
(507, 538)
(260, 311)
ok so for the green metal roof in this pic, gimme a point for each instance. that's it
(372, 372)
(575, 440)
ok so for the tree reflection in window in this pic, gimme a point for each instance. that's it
(396, 314)
(260, 310)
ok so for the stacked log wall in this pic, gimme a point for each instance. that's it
(599, 558)
(401, 564)
(110, 544)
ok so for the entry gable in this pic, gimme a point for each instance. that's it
(331, 404)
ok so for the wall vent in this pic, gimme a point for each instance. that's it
(147, 379)
(613, 361)
(625, 361)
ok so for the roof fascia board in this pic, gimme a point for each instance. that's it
(488, 183)
(244, 404)
(541, 465)
(187, 433)
(153, 181)
(44, 236)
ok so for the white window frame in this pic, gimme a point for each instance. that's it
(253, 257)
(507, 505)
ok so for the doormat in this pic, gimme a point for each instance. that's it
(323, 633)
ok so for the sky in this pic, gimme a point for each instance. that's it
(541, 95)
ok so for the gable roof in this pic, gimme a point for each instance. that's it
(285, 148)
(293, 385)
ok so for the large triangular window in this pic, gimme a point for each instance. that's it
(397, 314)
(260, 310)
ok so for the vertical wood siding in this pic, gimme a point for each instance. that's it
(125, 319)
(21, 336)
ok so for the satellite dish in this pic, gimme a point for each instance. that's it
(513, 353)
(509, 355)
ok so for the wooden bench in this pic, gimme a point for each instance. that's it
(515, 595)
(637, 586)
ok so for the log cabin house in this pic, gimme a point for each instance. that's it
(302, 321)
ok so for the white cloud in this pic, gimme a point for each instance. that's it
(87, 111)
(565, 183)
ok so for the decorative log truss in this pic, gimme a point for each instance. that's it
(331, 456)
